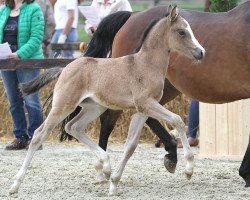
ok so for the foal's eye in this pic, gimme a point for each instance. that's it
(181, 33)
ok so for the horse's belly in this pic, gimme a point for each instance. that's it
(114, 102)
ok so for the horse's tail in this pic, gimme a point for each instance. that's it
(40, 81)
(102, 41)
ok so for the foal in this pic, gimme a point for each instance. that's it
(130, 82)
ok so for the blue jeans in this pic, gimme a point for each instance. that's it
(71, 37)
(18, 104)
(193, 118)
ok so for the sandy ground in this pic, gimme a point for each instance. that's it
(66, 171)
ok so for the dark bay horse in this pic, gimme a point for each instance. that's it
(134, 82)
(222, 77)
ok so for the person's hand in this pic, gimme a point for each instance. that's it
(62, 38)
(43, 46)
(93, 29)
(13, 56)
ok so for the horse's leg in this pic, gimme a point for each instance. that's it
(76, 128)
(108, 120)
(170, 159)
(244, 170)
(40, 135)
(157, 111)
(132, 141)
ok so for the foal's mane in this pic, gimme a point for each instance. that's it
(147, 30)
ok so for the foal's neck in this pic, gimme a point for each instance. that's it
(155, 47)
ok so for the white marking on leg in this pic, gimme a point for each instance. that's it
(76, 128)
(132, 141)
(157, 111)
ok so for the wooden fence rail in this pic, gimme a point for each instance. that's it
(9, 64)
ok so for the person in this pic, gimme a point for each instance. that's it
(105, 8)
(193, 122)
(49, 23)
(193, 126)
(66, 19)
(22, 26)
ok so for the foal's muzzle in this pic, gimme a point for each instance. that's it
(198, 53)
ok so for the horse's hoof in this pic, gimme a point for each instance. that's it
(158, 144)
(188, 175)
(107, 172)
(246, 179)
(169, 164)
(13, 189)
(101, 179)
(113, 192)
(100, 182)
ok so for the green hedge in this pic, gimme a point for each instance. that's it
(223, 5)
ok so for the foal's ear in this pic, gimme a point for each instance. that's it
(173, 13)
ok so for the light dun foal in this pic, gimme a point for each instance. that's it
(130, 82)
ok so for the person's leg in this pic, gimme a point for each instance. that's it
(32, 102)
(10, 82)
(193, 122)
(54, 40)
(71, 37)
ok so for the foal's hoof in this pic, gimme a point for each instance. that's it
(188, 175)
(169, 164)
(13, 189)
(100, 182)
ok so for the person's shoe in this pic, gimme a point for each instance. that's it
(193, 142)
(27, 147)
(16, 145)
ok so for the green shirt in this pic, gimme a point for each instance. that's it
(30, 29)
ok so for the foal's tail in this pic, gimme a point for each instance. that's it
(102, 41)
(40, 81)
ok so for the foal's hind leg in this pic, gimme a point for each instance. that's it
(76, 128)
(132, 141)
(157, 111)
(39, 137)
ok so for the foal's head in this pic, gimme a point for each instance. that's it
(181, 37)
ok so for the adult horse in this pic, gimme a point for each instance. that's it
(128, 82)
(222, 77)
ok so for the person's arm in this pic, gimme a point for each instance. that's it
(90, 28)
(120, 5)
(53, 2)
(68, 26)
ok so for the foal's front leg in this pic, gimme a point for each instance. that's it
(135, 127)
(157, 111)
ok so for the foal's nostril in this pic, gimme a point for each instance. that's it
(198, 54)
